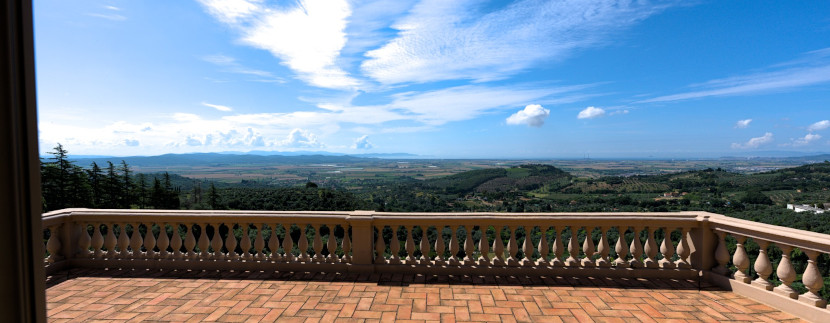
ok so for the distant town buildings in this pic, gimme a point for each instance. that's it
(798, 208)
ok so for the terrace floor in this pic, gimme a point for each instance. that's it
(128, 295)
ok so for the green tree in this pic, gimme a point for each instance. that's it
(126, 183)
(213, 198)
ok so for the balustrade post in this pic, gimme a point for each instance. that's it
(123, 241)
(763, 266)
(558, 248)
(54, 244)
(543, 247)
(573, 249)
(287, 244)
(135, 241)
(604, 249)
(527, 248)
(163, 241)
(318, 243)
(245, 242)
(190, 242)
(621, 249)
(721, 255)
(204, 243)
(469, 246)
(302, 244)
(97, 241)
(380, 247)
(651, 250)
(361, 241)
(110, 241)
(454, 246)
(346, 246)
(176, 242)
(273, 243)
(813, 281)
(512, 246)
(230, 243)
(394, 247)
(484, 248)
(259, 243)
(84, 241)
(216, 243)
(683, 250)
(498, 248)
(786, 273)
(667, 250)
(410, 246)
(588, 248)
(636, 249)
(331, 245)
(425, 259)
(149, 242)
(741, 260)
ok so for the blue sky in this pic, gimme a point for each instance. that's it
(450, 79)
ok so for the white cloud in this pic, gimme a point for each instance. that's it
(218, 107)
(131, 142)
(813, 69)
(307, 38)
(299, 138)
(362, 143)
(533, 115)
(231, 65)
(447, 40)
(742, 124)
(110, 16)
(821, 125)
(806, 140)
(590, 113)
(754, 142)
(616, 112)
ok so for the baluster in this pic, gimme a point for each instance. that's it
(721, 255)
(741, 260)
(651, 250)
(331, 245)
(288, 245)
(135, 242)
(498, 248)
(440, 247)
(483, 248)
(527, 248)
(667, 250)
(163, 242)
(588, 248)
(303, 243)
(110, 242)
(53, 245)
(216, 243)
(394, 247)
(573, 249)
(84, 241)
(346, 245)
(621, 249)
(425, 259)
(123, 241)
(176, 242)
(318, 244)
(190, 242)
(543, 247)
(786, 273)
(558, 249)
(683, 250)
(149, 242)
(410, 247)
(230, 243)
(469, 246)
(813, 281)
(245, 242)
(380, 247)
(454, 246)
(273, 243)
(604, 249)
(259, 243)
(512, 247)
(763, 266)
(97, 241)
(636, 249)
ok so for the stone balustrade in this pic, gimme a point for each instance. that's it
(681, 245)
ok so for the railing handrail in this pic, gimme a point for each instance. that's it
(801, 239)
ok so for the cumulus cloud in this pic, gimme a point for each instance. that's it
(362, 143)
(307, 38)
(742, 124)
(218, 107)
(821, 125)
(806, 139)
(754, 142)
(590, 113)
(299, 138)
(533, 115)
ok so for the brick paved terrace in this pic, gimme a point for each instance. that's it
(200, 296)
(199, 265)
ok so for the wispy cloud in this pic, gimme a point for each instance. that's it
(108, 16)
(743, 124)
(590, 113)
(533, 115)
(821, 125)
(218, 107)
(231, 65)
(812, 69)
(307, 38)
(754, 142)
(449, 40)
(807, 139)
